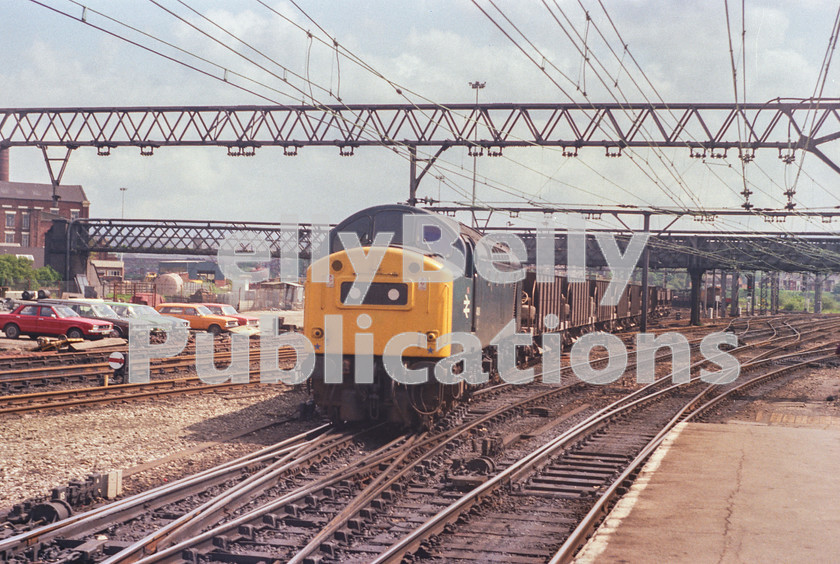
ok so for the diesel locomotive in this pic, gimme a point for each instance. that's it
(416, 280)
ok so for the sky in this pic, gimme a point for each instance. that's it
(430, 50)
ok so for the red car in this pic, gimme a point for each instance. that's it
(230, 311)
(35, 319)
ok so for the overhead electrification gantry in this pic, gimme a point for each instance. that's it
(710, 130)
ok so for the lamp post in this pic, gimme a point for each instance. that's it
(476, 85)
(122, 213)
(122, 216)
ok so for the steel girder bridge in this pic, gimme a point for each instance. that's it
(704, 129)
(790, 252)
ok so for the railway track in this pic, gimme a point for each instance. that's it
(21, 372)
(158, 386)
(707, 400)
(18, 381)
(62, 399)
(357, 500)
(482, 419)
(133, 506)
(362, 542)
(333, 481)
(32, 361)
(12, 363)
(580, 472)
(56, 377)
(459, 490)
(36, 370)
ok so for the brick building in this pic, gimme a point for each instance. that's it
(800, 282)
(27, 211)
(108, 269)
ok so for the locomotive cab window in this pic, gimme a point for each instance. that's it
(431, 233)
(379, 293)
(361, 227)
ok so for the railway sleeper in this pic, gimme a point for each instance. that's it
(575, 474)
(582, 466)
(582, 480)
(570, 491)
(462, 551)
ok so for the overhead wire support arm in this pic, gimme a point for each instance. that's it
(55, 178)
(414, 179)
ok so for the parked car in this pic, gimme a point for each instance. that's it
(200, 317)
(146, 313)
(230, 311)
(53, 320)
(95, 309)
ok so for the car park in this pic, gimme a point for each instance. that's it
(37, 319)
(200, 318)
(94, 309)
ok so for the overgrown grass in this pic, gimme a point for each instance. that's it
(790, 300)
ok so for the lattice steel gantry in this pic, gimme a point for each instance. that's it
(703, 129)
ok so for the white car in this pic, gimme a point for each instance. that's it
(141, 312)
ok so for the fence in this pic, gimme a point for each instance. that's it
(113, 290)
(245, 300)
(264, 299)
(124, 290)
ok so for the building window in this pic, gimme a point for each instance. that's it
(10, 220)
(24, 221)
(10, 237)
(54, 210)
(24, 239)
(74, 215)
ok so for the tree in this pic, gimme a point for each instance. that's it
(18, 270)
(47, 276)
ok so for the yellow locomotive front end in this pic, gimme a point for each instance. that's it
(351, 315)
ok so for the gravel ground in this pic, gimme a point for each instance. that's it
(15, 346)
(811, 399)
(39, 451)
